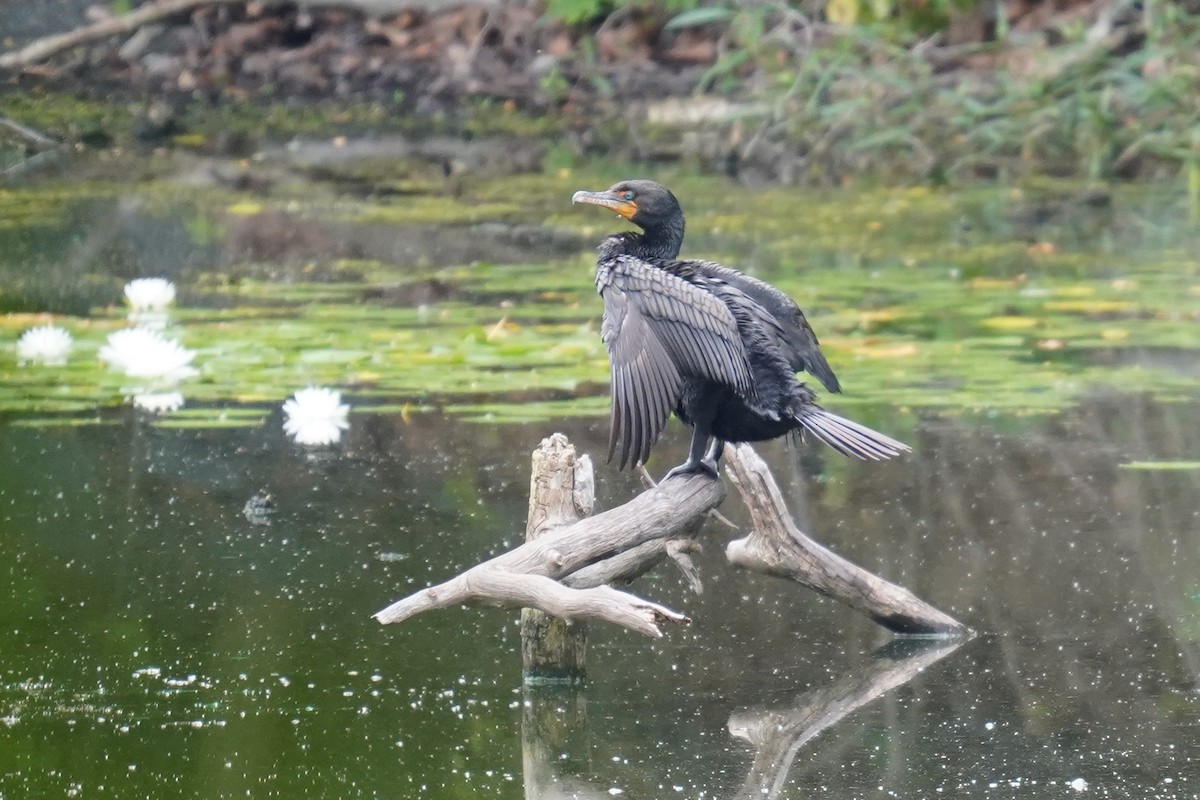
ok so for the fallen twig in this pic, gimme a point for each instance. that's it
(35, 139)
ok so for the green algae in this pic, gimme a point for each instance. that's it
(924, 300)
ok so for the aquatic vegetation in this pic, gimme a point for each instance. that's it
(922, 299)
(316, 416)
(45, 344)
(148, 299)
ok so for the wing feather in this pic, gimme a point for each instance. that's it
(660, 329)
(614, 417)
(620, 433)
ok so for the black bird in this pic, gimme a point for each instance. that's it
(718, 347)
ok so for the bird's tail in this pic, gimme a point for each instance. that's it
(848, 437)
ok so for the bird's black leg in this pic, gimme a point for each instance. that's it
(697, 461)
(715, 450)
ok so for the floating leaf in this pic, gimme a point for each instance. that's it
(1091, 306)
(245, 208)
(210, 423)
(1162, 465)
(900, 350)
(995, 283)
(878, 315)
(1010, 323)
(1075, 291)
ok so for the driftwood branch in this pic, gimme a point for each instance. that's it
(565, 573)
(778, 547)
(41, 49)
(569, 569)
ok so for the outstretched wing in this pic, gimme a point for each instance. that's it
(797, 336)
(659, 329)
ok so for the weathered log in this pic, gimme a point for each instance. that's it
(562, 490)
(568, 571)
(778, 734)
(778, 547)
(538, 574)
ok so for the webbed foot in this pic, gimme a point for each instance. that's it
(705, 465)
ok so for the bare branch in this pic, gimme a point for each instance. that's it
(606, 548)
(31, 137)
(778, 547)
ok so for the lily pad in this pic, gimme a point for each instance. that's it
(1168, 466)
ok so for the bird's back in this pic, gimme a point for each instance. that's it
(780, 314)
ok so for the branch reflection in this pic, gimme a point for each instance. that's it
(779, 733)
(555, 718)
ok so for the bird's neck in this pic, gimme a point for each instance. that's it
(659, 243)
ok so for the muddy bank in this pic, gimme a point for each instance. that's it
(423, 59)
(1077, 92)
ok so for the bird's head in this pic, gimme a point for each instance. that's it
(647, 204)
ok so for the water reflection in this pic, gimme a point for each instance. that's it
(158, 643)
(553, 718)
(778, 734)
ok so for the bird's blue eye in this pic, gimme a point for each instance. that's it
(629, 195)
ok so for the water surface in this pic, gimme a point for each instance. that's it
(157, 643)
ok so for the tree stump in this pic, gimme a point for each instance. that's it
(562, 490)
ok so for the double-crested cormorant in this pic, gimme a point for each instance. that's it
(718, 347)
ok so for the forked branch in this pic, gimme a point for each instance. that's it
(565, 572)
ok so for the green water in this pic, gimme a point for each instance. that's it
(1039, 353)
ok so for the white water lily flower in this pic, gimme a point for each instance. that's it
(158, 402)
(316, 416)
(142, 353)
(45, 344)
(149, 294)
